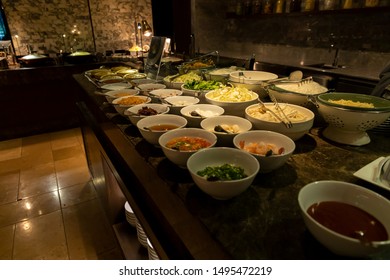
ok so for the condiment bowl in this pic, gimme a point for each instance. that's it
(348, 123)
(114, 94)
(176, 103)
(147, 88)
(226, 127)
(180, 157)
(217, 156)
(135, 113)
(122, 103)
(148, 126)
(301, 118)
(198, 112)
(353, 195)
(259, 142)
(163, 93)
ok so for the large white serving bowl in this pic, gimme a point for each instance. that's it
(226, 139)
(206, 110)
(121, 108)
(176, 103)
(114, 94)
(295, 93)
(348, 124)
(352, 194)
(180, 157)
(218, 156)
(299, 129)
(267, 163)
(134, 115)
(251, 77)
(152, 136)
(231, 107)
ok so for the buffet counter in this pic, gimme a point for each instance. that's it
(182, 222)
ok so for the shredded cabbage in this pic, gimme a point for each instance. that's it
(232, 94)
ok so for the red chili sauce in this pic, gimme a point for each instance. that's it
(348, 220)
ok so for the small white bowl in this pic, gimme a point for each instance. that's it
(120, 108)
(226, 139)
(159, 94)
(351, 194)
(114, 94)
(133, 112)
(176, 103)
(180, 157)
(267, 163)
(205, 110)
(146, 88)
(299, 129)
(218, 156)
(152, 136)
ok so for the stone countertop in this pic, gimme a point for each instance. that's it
(265, 221)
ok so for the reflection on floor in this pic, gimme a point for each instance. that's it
(48, 204)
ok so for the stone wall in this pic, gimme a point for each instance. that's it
(47, 25)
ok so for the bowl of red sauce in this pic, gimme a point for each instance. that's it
(348, 219)
(179, 144)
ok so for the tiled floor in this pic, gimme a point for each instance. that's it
(48, 204)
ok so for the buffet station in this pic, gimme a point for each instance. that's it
(229, 163)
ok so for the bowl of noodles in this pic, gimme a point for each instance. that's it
(302, 119)
(350, 115)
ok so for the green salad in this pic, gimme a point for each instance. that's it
(225, 172)
(202, 85)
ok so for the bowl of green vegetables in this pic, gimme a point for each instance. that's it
(199, 88)
(223, 172)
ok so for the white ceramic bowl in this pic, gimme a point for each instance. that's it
(133, 112)
(178, 102)
(235, 108)
(205, 110)
(236, 124)
(120, 108)
(264, 137)
(147, 88)
(114, 94)
(137, 82)
(299, 129)
(251, 77)
(294, 93)
(180, 157)
(152, 136)
(348, 124)
(218, 156)
(163, 93)
(352, 194)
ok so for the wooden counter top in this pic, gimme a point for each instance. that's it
(264, 222)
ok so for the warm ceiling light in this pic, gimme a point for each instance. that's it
(147, 30)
